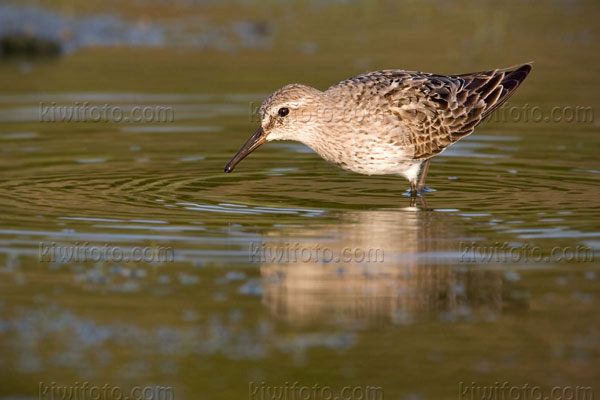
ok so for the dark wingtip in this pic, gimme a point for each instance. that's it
(519, 74)
(512, 77)
(228, 169)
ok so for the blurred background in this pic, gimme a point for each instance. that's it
(215, 319)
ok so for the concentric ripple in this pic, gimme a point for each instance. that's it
(165, 182)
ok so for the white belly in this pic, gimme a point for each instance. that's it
(408, 169)
(375, 160)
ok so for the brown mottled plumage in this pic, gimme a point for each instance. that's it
(384, 122)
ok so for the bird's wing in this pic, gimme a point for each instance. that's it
(437, 110)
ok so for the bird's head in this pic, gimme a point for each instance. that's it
(290, 113)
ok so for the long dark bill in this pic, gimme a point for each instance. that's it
(254, 142)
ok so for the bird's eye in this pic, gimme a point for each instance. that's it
(283, 111)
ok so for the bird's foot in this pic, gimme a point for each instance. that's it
(418, 192)
(421, 199)
(412, 193)
(425, 189)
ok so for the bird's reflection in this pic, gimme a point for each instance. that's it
(419, 276)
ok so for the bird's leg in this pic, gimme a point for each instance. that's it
(423, 202)
(413, 202)
(413, 189)
(423, 175)
(413, 193)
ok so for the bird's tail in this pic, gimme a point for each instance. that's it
(496, 86)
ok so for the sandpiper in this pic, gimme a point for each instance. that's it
(389, 122)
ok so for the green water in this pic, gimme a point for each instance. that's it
(218, 314)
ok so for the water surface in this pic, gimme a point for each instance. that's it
(493, 278)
